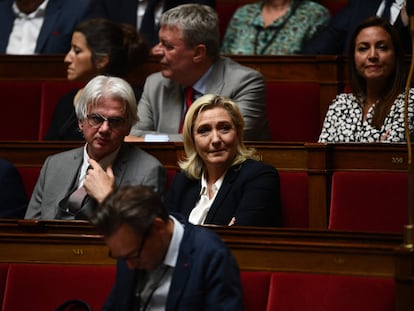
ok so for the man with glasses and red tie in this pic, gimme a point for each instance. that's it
(191, 66)
(71, 183)
(164, 263)
(335, 38)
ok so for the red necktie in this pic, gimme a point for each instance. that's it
(189, 94)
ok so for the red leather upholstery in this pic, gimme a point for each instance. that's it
(29, 177)
(3, 277)
(322, 292)
(20, 110)
(294, 194)
(293, 111)
(40, 287)
(255, 287)
(369, 201)
(51, 93)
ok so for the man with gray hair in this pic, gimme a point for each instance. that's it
(191, 66)
(71, 183)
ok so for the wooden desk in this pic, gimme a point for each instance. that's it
(257, 249)
(319, 161)
(316, 251)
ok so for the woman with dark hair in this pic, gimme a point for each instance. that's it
(374, 111)
(99, 46)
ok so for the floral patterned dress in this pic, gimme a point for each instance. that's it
(246, 34)
(343, 121)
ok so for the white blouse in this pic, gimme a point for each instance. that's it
(199, 213)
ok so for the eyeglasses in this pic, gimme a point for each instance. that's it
(135, 254)
(95, 120)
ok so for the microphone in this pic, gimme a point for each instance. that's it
(409, 228)
(409, 9)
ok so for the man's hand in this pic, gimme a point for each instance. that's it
(98, 182)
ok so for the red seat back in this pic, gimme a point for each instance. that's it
(29, 175)
(225, 11)
(293, 111)
(333, 6)
(255, 288)
(3, 276)
(20, 110)
(294, 195)
(322, 292)
(369, 201)
(55, 284)
(51, 93)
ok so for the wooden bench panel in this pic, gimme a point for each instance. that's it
(316, 161)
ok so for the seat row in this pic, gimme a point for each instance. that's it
(31, 104)
(360, 187)
(48, 285)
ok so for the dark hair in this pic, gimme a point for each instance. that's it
(122, 43)
(136, 206)
(396, 80)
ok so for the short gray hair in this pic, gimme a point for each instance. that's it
(107, 87)
(198, 24)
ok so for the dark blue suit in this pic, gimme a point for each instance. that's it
(13, 199)
(249, 192)
(206, 277)
(125, 11)
(61, 17)
(335, 38)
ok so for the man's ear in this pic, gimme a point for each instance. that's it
(80, 124)
(200, 52)
(102, 61)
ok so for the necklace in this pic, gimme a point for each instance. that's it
(259, 29)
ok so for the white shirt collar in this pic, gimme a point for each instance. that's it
(173, 249)
(39, 12)
(104, 162)
(395, 9)
(215, 187)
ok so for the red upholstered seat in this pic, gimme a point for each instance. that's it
(255, 287)
(294, 194)
(20, 110)
(170, 177)
(51, 93)
(3, 276)
(293, 111)
(369, 201)
(322, 292)
(333, 6)
(225, 11)
(55, 284)
(29, 176)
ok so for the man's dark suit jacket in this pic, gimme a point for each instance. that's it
(13, 199)
(206, 277)
(250, 193)
(335, 38)
(60, 19)
(125, 11)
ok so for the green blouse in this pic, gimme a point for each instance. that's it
(246, 34)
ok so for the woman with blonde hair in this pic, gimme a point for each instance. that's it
(221, 183)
